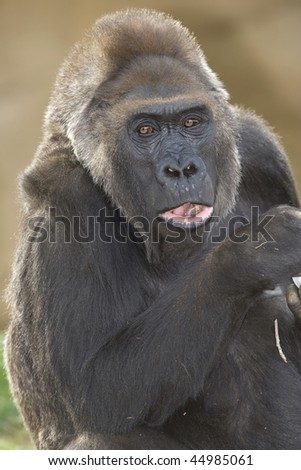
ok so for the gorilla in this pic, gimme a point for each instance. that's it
(152, 295)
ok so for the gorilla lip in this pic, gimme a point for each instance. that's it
(188, 214)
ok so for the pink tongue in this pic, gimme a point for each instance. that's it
(181, 210)
(186, 213)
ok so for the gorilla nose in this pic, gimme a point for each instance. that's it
(174, 170)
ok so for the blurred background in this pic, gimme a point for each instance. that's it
(253, 45)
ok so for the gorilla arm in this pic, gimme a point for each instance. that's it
(126, 371)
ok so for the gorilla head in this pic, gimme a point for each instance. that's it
(149, 120)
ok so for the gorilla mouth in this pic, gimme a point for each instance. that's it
(188, 215)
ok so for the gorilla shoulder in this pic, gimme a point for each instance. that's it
(264, 165)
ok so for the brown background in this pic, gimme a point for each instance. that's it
(253, 45)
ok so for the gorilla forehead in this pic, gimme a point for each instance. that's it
(154, 77)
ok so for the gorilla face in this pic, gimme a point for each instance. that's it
(167, 139)
(169, 151)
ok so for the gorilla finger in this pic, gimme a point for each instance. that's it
(297, 280)
(294, 301)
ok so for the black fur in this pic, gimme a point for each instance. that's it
(145, 344)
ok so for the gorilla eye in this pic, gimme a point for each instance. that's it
(191, 122)
(145, 130)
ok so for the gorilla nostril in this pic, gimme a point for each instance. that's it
(190, 170)
(171, 172)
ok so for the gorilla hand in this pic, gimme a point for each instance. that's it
(264, 264)
(293, 297)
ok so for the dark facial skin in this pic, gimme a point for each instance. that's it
(169, 144)
(170, 138)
